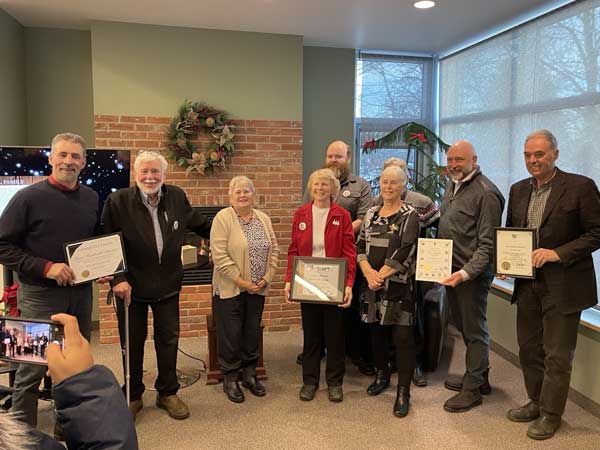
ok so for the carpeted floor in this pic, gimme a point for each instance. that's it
(281, 421)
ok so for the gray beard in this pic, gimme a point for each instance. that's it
(340, 172)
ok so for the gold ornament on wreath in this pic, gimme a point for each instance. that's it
(192, 119)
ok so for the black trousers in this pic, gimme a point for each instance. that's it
(323, 323)
(166, 339)
(358, 346)
(468, 304)
(547, 340)
(238, 331)
(403, 338)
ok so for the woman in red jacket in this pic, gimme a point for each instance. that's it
(323, 229)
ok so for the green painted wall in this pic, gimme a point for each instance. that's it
(328, 108)
(150, 70)
(59, 84)
(13, 108)
(502, 319)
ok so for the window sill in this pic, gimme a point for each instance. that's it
(590, 318)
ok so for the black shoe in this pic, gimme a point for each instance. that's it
(418, 378)
(526, 413)
(58, 432)
(335, 393)
(307, 392)
(381, 382)
(367, 369)
(254, 386)
(464, 401)
(232, 389)
(455, 383)
(299, 359)
(402, 401)
(544, 427)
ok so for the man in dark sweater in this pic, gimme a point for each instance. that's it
(36, 223)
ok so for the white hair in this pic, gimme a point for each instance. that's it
(15, 434)
(396, 171)
(243, 180)
(148, 156)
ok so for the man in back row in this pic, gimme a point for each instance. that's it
(33, 230)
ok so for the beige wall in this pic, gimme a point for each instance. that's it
(502, 319)
(328, 108)
(148, 70)
(13, 109)
(59, 84)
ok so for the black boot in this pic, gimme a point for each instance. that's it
(381, 382)
(402, 403)
(232, 388)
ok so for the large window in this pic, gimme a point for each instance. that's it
(390, 91)
(545, 74)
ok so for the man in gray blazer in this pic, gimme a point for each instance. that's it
(565, 209)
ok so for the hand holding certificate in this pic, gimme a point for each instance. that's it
(318, 280)
(513, 252)
(95, 258)
(434, 259)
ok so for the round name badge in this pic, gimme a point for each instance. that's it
(302, 226)
(175, 225)
(346, 193)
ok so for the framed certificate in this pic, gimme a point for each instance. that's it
(513, 249)
(318, 280)
(434, 259)
(96, 257)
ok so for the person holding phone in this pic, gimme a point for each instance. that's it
(87, 398)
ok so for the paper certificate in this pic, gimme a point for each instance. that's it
(513, 252)
(96, 257)
(320, 280)
(434, 259)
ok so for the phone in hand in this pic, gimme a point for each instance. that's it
(25, 341)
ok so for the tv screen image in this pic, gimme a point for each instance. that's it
(105, 170)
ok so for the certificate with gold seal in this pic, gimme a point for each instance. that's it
(318, 280)
(513, 248)
(97, 257)
(434, 259)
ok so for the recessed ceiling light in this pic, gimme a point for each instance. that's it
(425, 4)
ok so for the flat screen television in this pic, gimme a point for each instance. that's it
(106, 170)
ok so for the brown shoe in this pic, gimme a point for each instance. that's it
(135, 406)
(543, 428)
(174, 406)
(525, 413)
(464, 401)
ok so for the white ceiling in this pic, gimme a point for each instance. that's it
(375, 25)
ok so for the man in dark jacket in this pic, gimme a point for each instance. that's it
(153, 219)
(471, 209)
(88, 400)
(565, 210)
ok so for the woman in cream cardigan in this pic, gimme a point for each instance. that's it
(245, 253)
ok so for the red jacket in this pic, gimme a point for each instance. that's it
(339, 238)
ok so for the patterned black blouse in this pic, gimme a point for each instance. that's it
(389, 241)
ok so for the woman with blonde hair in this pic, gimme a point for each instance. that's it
(321, 228)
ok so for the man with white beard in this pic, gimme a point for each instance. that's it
(153, 218)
